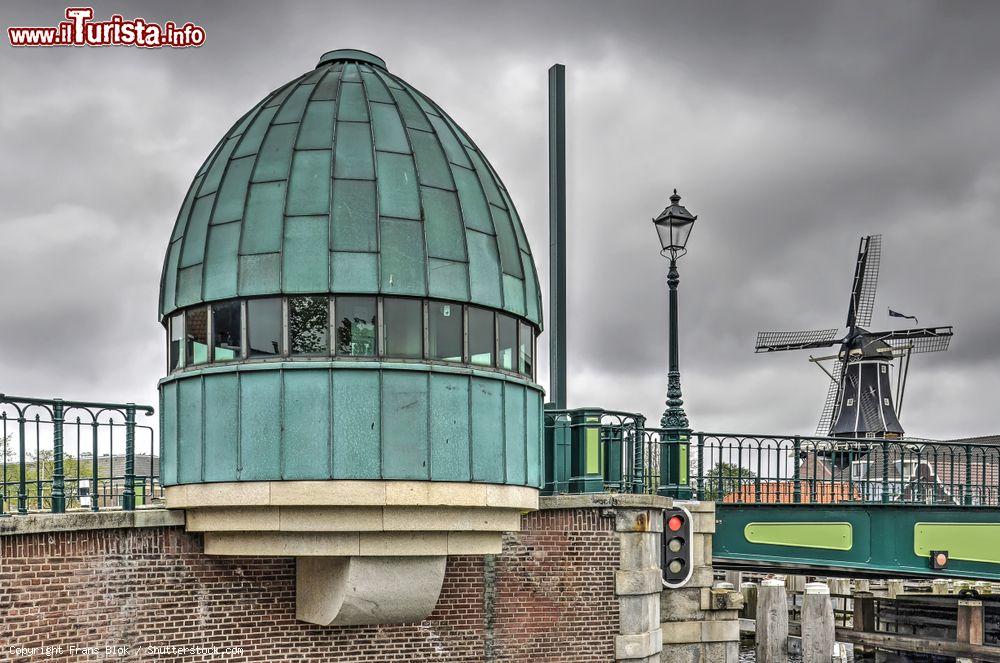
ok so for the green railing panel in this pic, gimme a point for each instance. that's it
(970, 542)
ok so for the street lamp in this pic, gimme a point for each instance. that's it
(673, 226)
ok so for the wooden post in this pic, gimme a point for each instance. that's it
(734, 577)
(772, 622)
(970, 622)
(749, 592)
(817, 624)
(862, 585)
(864, 622)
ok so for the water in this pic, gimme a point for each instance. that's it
(747, 654)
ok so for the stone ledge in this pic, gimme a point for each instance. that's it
(37, 523)
(604, 500)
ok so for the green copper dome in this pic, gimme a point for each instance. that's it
(349, 180)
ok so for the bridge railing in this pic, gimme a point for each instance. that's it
(592, 450)
(768, 469)
(59, 454)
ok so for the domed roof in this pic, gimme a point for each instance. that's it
(349, 180)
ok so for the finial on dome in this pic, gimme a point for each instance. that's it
(351, 55)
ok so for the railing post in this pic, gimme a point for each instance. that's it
(885, 472)
(22, 480)
(701, 467)
(967, 497)
(93, 467)
(796, 470)
(58, 480)
(639, 453)
(128, 495)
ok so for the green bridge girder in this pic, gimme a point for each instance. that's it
(858, 540)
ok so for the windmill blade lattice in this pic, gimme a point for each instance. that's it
(920, 345)
(773, 341)
(832, 401)
(865, 281)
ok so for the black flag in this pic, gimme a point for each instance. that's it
(897, 314)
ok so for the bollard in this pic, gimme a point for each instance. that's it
(772, 622)
(817, 624)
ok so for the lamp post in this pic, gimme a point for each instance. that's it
(673, 226)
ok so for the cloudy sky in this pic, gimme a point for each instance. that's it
(790, 128)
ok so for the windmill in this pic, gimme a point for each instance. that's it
(859, 402)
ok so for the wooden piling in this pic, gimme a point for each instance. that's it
(970, 622)
(864, 622)
(772, 622)
(817, 624)
(749, 592)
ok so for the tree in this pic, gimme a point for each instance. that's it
(725, 478)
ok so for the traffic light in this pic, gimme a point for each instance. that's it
(939, 559)
(675, 553)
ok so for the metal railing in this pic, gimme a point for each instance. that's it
(590, 450)
(59, 455)
(770, 469)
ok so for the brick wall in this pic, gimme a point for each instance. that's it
(548, 597)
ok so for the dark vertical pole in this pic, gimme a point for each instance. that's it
(58, 480)
(557, 235)
(676, 435)
(128, 495)
(22, 487)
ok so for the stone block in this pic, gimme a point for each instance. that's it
(638, 520)
(330, 519)
(638, 551)
(720, 631)
(641, 645)
(638, 614)
(403, 543)
(475, 543)
(631, 583)
(684, 653)
(681, 632)
(678, 605)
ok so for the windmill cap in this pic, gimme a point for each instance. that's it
(351, 55)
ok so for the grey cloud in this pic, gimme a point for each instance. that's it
(791, 128)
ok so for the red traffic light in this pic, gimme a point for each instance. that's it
(675, 523)
(939, 559)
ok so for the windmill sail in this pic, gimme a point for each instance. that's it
(833, 395)
(859, 313)
(775, 341)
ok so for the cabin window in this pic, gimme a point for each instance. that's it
(227, 331)
(506, 342)
(264, 327)
(404, 327)
(196, 336)
(444, 327)
(482, 342)
(176, 333)
(308, 322)
(355, 326)
(526, 355)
